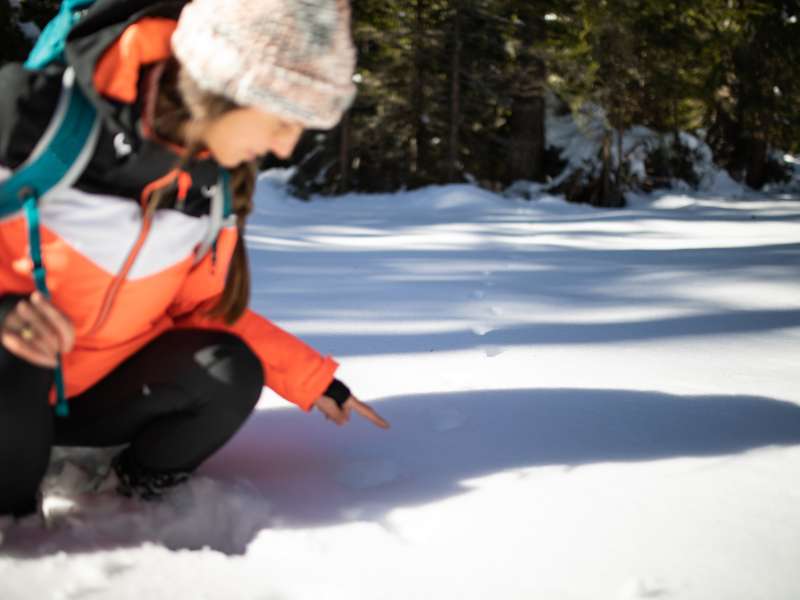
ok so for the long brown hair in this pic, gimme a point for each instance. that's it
(182, 112)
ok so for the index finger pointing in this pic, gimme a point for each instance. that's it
(368, 413)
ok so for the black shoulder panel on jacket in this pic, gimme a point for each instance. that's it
(106, 13)
(103, 23)
(124, 162)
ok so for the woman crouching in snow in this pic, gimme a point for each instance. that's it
(146, 322)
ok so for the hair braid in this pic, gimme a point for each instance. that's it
(182, 112)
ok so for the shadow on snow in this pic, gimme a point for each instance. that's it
(286, 469)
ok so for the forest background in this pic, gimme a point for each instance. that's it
(471, 91)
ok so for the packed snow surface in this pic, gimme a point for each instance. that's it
(585, 404)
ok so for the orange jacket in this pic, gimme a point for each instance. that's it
(123, 281)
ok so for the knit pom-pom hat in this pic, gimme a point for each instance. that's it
(292, 58)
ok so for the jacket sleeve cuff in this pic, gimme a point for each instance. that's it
(338, 392)
(315, 386)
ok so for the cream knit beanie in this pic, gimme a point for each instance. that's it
(293, 58)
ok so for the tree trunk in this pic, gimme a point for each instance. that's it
(455, 97)
(609, 194)
(420, 161)
(527, 136)
(619, 175)
(527, 122)
(344, 153)
(605, 178)
(757, 163)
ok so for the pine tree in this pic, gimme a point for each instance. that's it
(753, 96)
(454, 90)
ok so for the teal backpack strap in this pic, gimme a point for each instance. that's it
(225, 183)
(40, 277)
(220, 214)
(61, 155)
(49, 47)
(58, 160)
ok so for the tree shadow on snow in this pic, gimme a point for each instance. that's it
(287, 469)
(462, 287)
(731, 322)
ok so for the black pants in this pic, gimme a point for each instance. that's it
(176, 402)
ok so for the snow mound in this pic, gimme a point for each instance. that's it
(722, 184)
(81, 510)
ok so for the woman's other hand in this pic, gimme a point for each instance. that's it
(328, 407)
(37, 331)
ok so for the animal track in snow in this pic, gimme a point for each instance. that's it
(116, 567)
(365, 474)
(481, 329)
(639, 589)
(493, 351)
(447, 419)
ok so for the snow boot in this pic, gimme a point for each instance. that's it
(136, 481)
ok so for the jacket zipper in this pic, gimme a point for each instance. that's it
(113, 290)
(184, 183)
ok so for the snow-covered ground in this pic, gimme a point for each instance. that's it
(585, 404)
